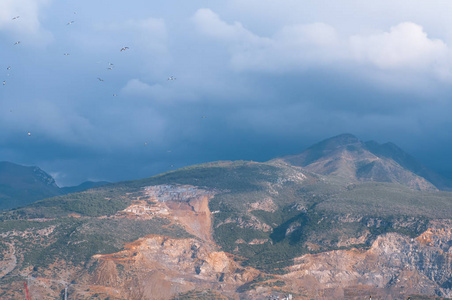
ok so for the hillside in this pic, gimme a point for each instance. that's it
(348, 158)
(232, 230)
(21, 185)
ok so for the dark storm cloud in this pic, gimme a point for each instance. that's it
(249, 84)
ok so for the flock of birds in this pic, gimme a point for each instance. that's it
(110, 65)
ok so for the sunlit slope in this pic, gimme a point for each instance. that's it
(346, 157)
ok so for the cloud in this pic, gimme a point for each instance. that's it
(291, 47)
(167, 91)
(27, 27)
(404, 46)
(210, 24)
(48, 120)
(148, 35)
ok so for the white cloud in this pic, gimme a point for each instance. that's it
(137, 88)
(210, 24)
(27, 27)
(404, 46)
(293, 46)
(166, 91)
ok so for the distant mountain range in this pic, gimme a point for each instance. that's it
(346, 157)
(21, 185)
(343, 156)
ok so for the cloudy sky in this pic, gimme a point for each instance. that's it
(254, 80)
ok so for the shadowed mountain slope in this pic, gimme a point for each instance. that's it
(20, 185)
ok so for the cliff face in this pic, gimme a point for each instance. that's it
(158, 267)
(394, 267)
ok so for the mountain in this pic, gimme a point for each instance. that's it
(348, 158)
(234, 230)
(83, 186)
(20, 185)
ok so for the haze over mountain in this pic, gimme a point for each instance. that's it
(347, 157)
(20, 185)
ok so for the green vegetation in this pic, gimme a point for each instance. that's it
(201, 295)
(239, 176)
(261, 280)
(386, 199)
(77, 240)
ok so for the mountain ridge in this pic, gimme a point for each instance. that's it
(22, 185)
(348, 157)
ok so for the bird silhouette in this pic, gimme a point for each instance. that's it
(124, 48)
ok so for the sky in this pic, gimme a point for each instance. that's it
(252, 80)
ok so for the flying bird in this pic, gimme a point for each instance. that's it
(171, 78)
(66, 54)
(110, 68)
(114, 95)
(124, 48)
(15, 18)
(4, 82)
(8, 68)
(17, 43)
(29, 133)
(69, 23)
(100, 79)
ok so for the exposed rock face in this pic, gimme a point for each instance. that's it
(185, 205)
(395, 266)
(158, 267)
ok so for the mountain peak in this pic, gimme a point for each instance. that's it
(338, 141)
(347, 157)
